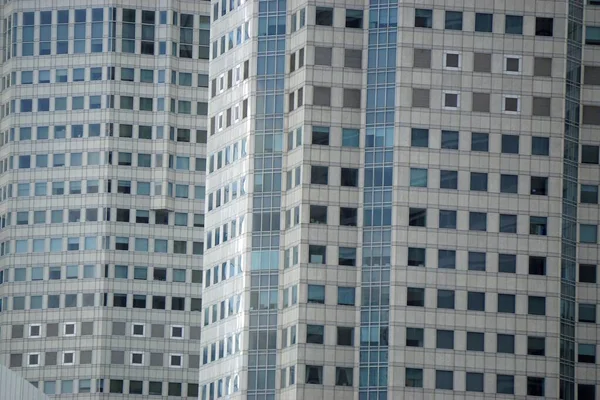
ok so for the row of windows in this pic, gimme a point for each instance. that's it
(235, 37)
(227, 270)
(223, 233)
(230, 78)
(222, 387)
(157, 274)
(89, 243)
(151, 388)
(227, 193)
(149, 132)
(72, 300)
(221, 348)
(226, 6)
(64, 75)
(159, 217)
(59, 188)
(142, 160)
(230, 116)
(226, 308)
(86, 328)
(95, 103)
(228, 155)
(85, 357)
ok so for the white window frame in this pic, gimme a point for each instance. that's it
(131, 359)
(511, 96)
(171, 360)
(182, 332)
(236, 113)
(38, 326)
(135, 334)
(220, 122)
(65, 329)
(444, 93)
(221, 81)
(64, 353)
(238, 73)
(446, 53)
(29, 364)
(505, 63)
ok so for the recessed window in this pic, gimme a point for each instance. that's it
(505, 343)
(319, 175)
(506, 303)
(343, 376)
(509, 183)
(454, 20)
(414, 377)
(452, 60)
(417, 217)
(315, 334)
(538, 226)
(137, 329)
(137, 358)
(345, 336)
(511, 104)
(535, 386)
(416, 257)
(348, 216)
(317, 254)
(587, 273)
(415, 297)
(448, 179)
(324, 16)
(479, 141)
(484, 22)
(512, 64)
(508, 223)
(505, 384)
(419, 137)
(475, 341)
(474, 382)
(447, 259)
(447, 219)
(477, 261)
(587, 313)
(514, 24)
(33, 359)
(544, 26)
(177, 332)
(318, 214)
(539, 186)
(69, 329)
(588, 233)
(444, 380)
(316, 294)
(346, 296)
(510, 144)
(354, 19)
(536, 346)
(477, 221)
(320, 135)
(418, 177)
(349, 177)
(423, 18)
(35, 331)
(586, 353)
(537, 265)
(589, 194)
(450, 140)
(479, 181)
(314, 374)
(590, 154)
(414, 337)
(451, 100)
(176, 360)
(537, 305)
(68, 358)
(592, 35)
(445, 299)
(444, 339)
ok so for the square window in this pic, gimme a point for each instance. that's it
(476, 261)
(476, 301)
(536, 346)
(475, 341)
(512, 64)
(316, 294)
(414, 377)
(418, 177)
(448, 179)
(320, 135)
(346, 296)
(479, 181)
(317, 254)
(536, 305)
(509, 183)
(474, 382)
(348, 216)
(479, 141)
(415, 297)
(349, 177)
(544, 26)
(587, 313)
(447, 259)
(318, 214)
(506, 303)
(354, 19)
(511, 104)
(505, 343)
(450, 140)
(423, 18)
(538, 226)
(454, 20)
(510, 144)
(452, 60)
(319, 175)
(451, 100)
(417, 217)
(537, 265)
(477, 221)
(350, 137)
(343, 376)
(587, 273)
(444, 339)
(416, 257)
(535, 386)
(508, 223)
(505, 384)
(444, 380)
(445, 299)
(345, 336)
(514, 24)
(314, 374)
(447, 219)
(590, 154)
(414, 337)
(539, 186)
(484, 22)
(589, 194)
(586, 353)
(315, 334)
(419, 137)
(347, 256)
(588, 233)
(324, 16)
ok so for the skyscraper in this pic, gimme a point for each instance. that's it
(402, 200)
(103, 136)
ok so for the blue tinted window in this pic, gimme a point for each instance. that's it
(514, 24)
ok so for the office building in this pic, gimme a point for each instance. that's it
(103, 135)
(402, 200)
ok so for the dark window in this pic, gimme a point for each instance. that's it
(509, 183)
(343, 376)
(538, 226)
(349, 177)
(537, 265)
(484, 22)
(417, 217)
(444, 339)
(450, 140)
(318, 214)
(586, 353)
(445, 299)
(505, 343)
(507, 263)
(590, 154)
(346, 296)
(587, 273)
(476, 301)
(348, 216)
(475, 341)
(316, 294)
(479, 142)
(319, 175)
(347, 256)
(320, 135)
(447, 259)
(479, 181)
(539, 186)
(354, 19)
(317, 254)
(419, 137)
(416, 257)
(415, 297)
(477, 221)
(510, 144)
(454, 20)
(474, 382)
(536, 346)
(315, 334)
(544, 26)
(586, 391)
(476, 261)
(448, 179)
(314, 374)
(506, 303)
(587, 313)
(324, 16)
(514, 24)
(444, 380)
(447, 219)
(536, 305)
(540, 146)
(345, 336)
(414, 337)
(535, 386)
(423, 18)
(505, 384)
(414, 377)
(508, 223)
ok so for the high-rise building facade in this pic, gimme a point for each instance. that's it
(103, 138)
(402, 200)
